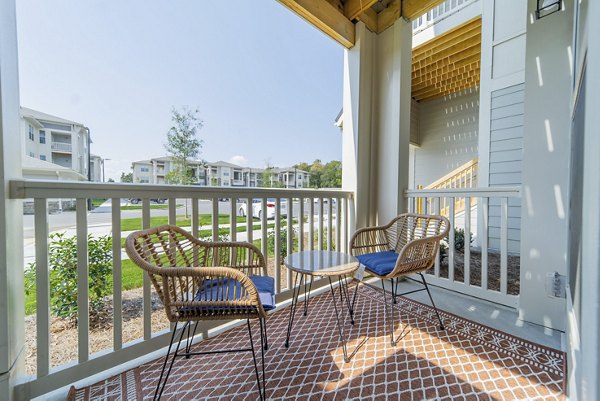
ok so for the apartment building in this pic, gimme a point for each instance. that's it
(57, 141)
(220, 174)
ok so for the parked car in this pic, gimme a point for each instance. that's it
(257, 208)
(135, 201)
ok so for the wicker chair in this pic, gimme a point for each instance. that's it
(198, 280)
(408, 244)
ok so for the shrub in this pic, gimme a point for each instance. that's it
(459, 242)
(283, 242)
(62, 254)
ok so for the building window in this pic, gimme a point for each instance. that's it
(31, 154)
(145, 169)
(31, 135)
(144, 180)
(42, 136)
(43, 157)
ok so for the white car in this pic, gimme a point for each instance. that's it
(257, 208)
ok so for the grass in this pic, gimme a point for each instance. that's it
(97, 202)
(135, 223)
(151, 207)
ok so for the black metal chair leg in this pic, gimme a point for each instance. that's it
(262, 357)
(165, 361)
(260, 390)
(386, 307)
(263, 326)
(432, 303)
(394, 290)
(162, 387)
(189, 341)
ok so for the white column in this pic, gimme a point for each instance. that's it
(546, 154)
(589, 387)
(392, 113)
(357, 130)
(11, 222)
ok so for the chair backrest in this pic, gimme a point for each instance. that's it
(170, 246)
(416, 238)
(408, 227)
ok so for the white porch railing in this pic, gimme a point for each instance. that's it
(61, 146)
(438, 13)
(321, 218)
(469, 220)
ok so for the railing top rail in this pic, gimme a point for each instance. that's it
(455, 172)
(508, 191)
(23, 189)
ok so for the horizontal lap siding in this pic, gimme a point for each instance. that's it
(506, 160)
(447, 135)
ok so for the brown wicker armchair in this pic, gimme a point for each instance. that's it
(408, 244)
(198, 280)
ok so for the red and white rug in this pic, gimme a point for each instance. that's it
(467, 361)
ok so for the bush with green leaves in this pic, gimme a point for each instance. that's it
(459, 242)
(62, 261)
(282, 242)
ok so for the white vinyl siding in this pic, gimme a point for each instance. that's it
(506, 160)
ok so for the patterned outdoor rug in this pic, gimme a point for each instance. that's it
(466, 361)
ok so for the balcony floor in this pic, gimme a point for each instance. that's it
(467, 360)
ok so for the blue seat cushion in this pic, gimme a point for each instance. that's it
(265, 286)
(380, 263)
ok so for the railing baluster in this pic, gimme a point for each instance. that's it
(195, 216)
(504, 245)
(215, 219)
(351, 212)
(42, 289)
(451, 217)
(263, 228)
(172, 212)
(320, 229)
(467, 253)
(329, 225)
(484, 242)
(290, 238)
(277, 242)
(147, 290)
(338, 225)
(117, 275)
(301, 224)
(83, 316)
(249, 221)
(311, 225)
(232, 219)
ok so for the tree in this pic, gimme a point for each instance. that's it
(183, 145)
(316, 171)
(127, 177)
(331, 176)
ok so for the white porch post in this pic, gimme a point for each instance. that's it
(589, 387)
(392, 105)
(357, 132)
(12, 308)
(546, 150)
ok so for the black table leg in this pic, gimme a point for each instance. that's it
(295, 294)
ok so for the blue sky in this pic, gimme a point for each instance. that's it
(267, 84)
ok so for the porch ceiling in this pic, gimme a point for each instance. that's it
(337, 18)
(448, 63)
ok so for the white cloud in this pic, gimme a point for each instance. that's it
(239, 160)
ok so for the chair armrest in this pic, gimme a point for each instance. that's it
(367, 240)
(416, 256)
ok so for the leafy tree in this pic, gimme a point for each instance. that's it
(182, 144)
(316, 171)
(331, 176)
(127, 177)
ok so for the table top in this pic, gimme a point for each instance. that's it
(321, 263)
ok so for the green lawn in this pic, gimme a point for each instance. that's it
(134, 207)
(204, 219)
